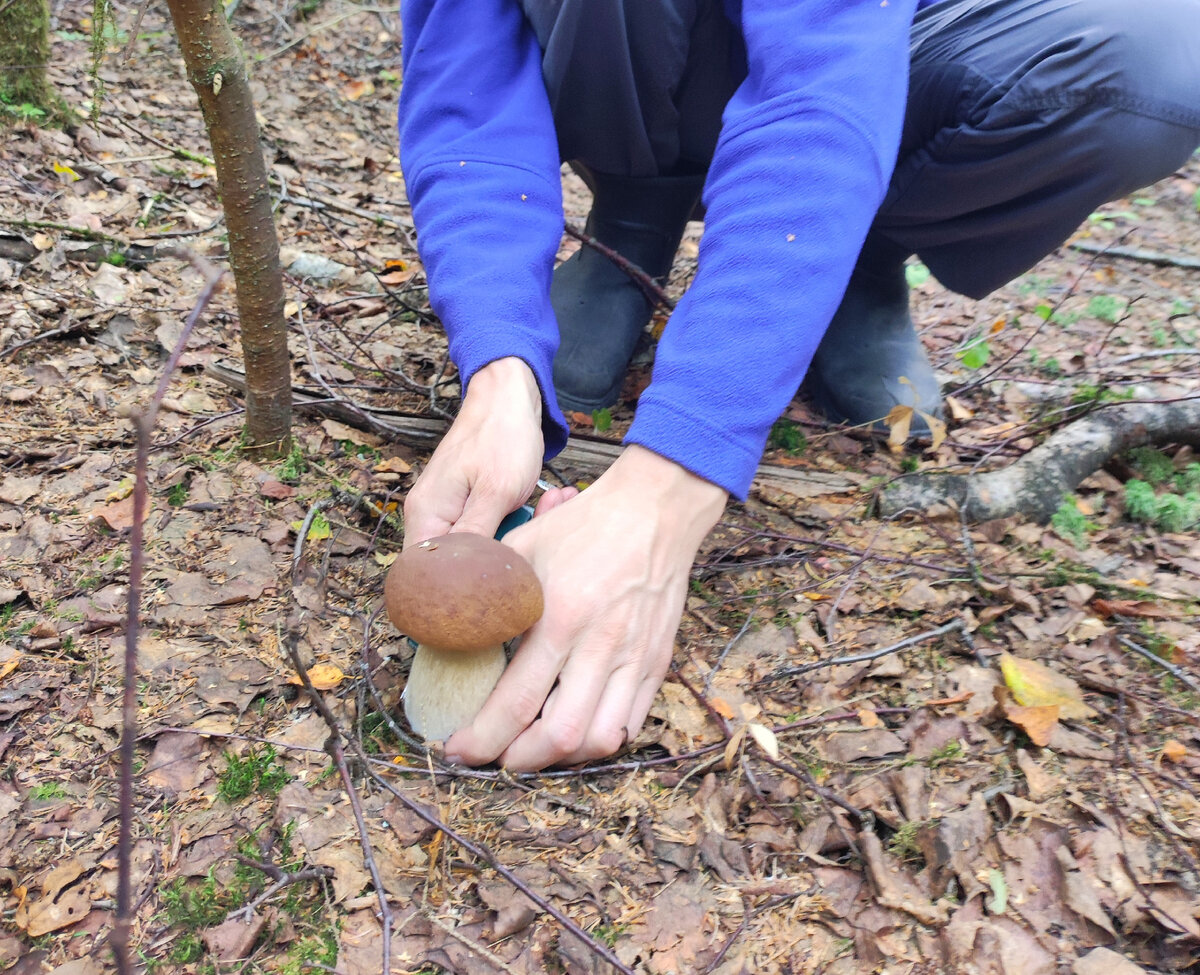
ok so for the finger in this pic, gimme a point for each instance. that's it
(608, 730)
(513, 705)
(567, 730)
(422, 521)
(553, 498)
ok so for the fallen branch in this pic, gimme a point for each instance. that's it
(279, 880)
(1178, 673)
(1136, 254)
(588, 453)
(1034, 485)
(858, 658)
(337, 736)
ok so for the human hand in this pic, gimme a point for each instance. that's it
(488, 462)
(614, 564)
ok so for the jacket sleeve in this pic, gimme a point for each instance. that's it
(480, 160)
(804, 158)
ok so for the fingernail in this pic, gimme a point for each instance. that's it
(453, 759)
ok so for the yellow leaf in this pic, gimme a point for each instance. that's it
(898, 420)
(318, 531)
(731, 749)
(64, 170)
(958, 409)
(1036, 685)
(122, 491)
(324, 677)
(869, 719)
(10, 665)
(937, 430)
(393, 465)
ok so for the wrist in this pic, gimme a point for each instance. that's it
(505, 383)
(685, 500)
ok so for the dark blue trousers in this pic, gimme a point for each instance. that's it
(1023, 115)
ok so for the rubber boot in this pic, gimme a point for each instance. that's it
(870, 344)
(602, 311)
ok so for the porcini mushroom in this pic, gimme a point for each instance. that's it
(460, 597)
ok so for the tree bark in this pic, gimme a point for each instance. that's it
(25, 92)
(1035, 485)
(217, 72)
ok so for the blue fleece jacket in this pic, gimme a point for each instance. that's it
(806, 150)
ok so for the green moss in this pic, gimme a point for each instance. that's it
(26, 94)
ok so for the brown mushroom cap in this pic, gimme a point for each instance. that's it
(462, 592)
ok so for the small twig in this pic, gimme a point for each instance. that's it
(1136, 254)
(334, 746)
(143, 423)
(472, 946)
(725, 652)
(785, 672)
(731, 940)
(1154, 354)
(302, 534)
(652, 289)
(1176, 672)
(53, 333)
(280, 879)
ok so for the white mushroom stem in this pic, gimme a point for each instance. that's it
(445, 690)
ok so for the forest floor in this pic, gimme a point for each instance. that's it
(785, 809)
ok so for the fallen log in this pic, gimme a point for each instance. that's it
(1034, 486)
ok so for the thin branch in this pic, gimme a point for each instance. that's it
(1179, 674)
(143, 422)
(912, 641)
(334, 747)
(1136, 254)
(652, 289)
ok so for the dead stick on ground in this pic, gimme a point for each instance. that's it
(280, 879)
(1136, 254)
(858, 658)
(333, 746)
(335, 743)
(1179, 674)
(143, 422)
(1034, 485)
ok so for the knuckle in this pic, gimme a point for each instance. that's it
(606, 741)
(524, 704)
(566, 737)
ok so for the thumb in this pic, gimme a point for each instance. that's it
(481, 514)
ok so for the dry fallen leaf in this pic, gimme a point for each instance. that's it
(118, 515)
(1037, 722)
(1174, 751)
(1034, 685)
(393, 465)
(324, 677)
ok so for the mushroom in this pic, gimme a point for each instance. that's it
(460, 597)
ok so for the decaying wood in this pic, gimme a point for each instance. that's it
(588, 453)
(1034, 485)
